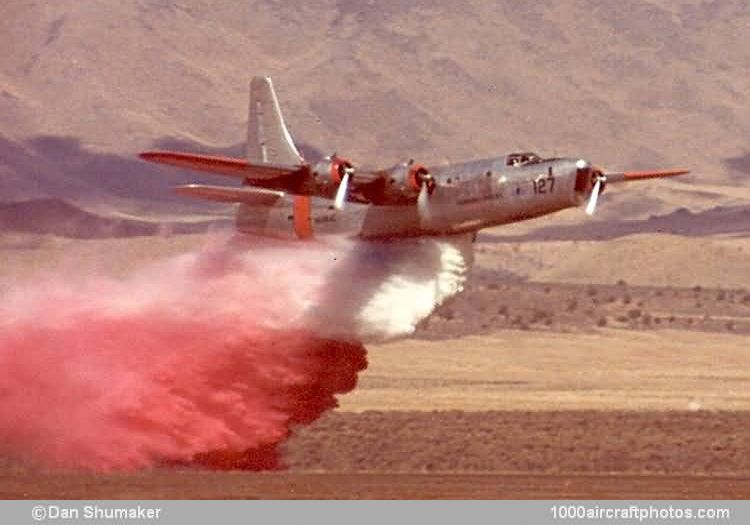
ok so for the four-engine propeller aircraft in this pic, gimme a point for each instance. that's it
(282, 195)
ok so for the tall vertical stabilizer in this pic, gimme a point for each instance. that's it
(268, 140)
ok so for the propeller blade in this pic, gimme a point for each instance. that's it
(423, 202)
(591, 206)
(341, 192)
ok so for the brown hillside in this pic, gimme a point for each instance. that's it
(633, 85)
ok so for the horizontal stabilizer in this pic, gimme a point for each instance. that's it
(245, 195)
(219, 165)
(643, 175)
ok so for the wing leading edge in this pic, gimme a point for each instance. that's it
(643, 175)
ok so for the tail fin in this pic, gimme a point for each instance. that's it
(268, 140)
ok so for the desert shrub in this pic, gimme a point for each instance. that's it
(448, 314)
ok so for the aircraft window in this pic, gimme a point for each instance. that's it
(521, 159)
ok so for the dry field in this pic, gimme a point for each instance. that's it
(480, 404)
(531, 370)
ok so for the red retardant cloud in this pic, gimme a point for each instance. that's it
(199, 358)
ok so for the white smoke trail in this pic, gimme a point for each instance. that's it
(382, 290)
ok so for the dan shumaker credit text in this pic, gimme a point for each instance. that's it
(53, 512)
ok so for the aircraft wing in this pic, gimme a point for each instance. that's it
(227, 166)
(643, 175)
(244, 195)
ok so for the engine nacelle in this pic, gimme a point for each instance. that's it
(410, 177)
(586, 177)
(332, 170)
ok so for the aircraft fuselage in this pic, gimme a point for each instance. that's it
(467, 197)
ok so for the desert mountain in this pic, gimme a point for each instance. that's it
(632, 84)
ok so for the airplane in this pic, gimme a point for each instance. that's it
(282, 195)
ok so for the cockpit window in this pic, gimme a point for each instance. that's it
(521, 159)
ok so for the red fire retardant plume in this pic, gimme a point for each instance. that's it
(200, 358)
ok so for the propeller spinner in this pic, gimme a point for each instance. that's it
(588, 175)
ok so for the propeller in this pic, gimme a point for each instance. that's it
(594, 199)
(587, 174)
(423, 202)
(427, 185)
(343, 189)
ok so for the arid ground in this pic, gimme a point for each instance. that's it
(518, 388)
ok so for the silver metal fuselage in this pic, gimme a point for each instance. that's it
(468, 197)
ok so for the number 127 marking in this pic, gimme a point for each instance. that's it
(544, 184)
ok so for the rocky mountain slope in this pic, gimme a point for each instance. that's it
(86, 85)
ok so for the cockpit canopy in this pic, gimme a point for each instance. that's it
(521, 159)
